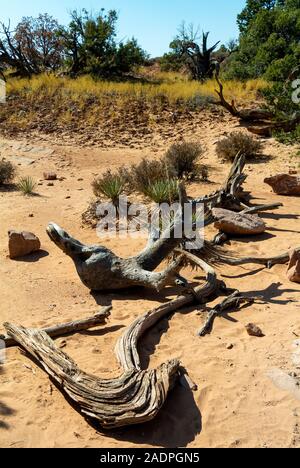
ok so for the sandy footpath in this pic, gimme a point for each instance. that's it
(245, 395)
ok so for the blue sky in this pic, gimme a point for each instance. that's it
(153, 22)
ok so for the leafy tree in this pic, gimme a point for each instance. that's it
(269, 43)
(252, 8)
(34, 46)
(91, 47)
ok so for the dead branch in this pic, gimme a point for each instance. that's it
(69, 328)
(264, 123)
(268, 262)
(101, 270)
(232, 302)
(135, 397)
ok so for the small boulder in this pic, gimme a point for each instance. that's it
(50, 176)
(22, 243)
(254, 330)
(238, 224)
(293, 272)
(285, 184)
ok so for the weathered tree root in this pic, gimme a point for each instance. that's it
(101, 270)
(70, 327)
(135, 397)
(232, 302)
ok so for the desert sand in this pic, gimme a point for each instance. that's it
(247, 396)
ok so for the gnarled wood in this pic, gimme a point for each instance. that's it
(101, 270)
(137, 395)
(264, 121)
(70, 327)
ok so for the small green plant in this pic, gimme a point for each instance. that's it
(163, 191)
(182, 160)
(7, 172)
(110, 185)
(238, 142)
(26, 185)
(289, 138)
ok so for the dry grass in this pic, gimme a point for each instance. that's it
(172, 86)
(110, 112)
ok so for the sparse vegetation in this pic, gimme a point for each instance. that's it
(26, 185)
(182, 159)
(144, 174)
(110, 185)
(7, 172)
(238, 143)
(163, 191)
(289, 138)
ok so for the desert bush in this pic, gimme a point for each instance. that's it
(289, 138)
(7, 172)
(26, 185)
(163, 191)
(182, 160)
(110, 185)
(238, 142)
(144, 174)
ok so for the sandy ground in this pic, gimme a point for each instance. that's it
(247, 396)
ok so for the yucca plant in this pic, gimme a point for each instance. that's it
(26, 185)
(110, 185)
(163, 191)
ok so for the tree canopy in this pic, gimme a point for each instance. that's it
(87, 45)
(269, 41)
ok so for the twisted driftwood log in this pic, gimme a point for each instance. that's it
(101, 270)
(137, 395)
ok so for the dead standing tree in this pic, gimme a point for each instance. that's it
(198, 58)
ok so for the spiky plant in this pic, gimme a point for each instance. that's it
(26, 185)
(163, 191)
(110, 185)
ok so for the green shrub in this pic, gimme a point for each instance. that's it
(7, 172)
(110, 185)
(163, 191)
(238, 142)
(289, 138)
(26, 185)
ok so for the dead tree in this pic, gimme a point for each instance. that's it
(264, 121)
(199, 59)
(137, 395)
(101, 270)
